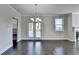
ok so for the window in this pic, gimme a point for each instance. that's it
(59, 24)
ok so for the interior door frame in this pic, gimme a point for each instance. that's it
(13, 18)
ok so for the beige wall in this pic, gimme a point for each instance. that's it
(6, 14)
(75, 24)
(48, 28)
(70, 29)
(75, 19)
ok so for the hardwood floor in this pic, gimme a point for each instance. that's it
(44, 48)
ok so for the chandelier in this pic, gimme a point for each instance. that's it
(36, 19)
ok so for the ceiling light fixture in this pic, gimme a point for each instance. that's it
(36, 19)
(35, 9)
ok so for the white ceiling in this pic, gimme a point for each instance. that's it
(46, 9)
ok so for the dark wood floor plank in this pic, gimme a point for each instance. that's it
(48, 47)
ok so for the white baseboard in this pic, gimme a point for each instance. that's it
(46, 38)
(3, 50)
(50, 39)
(54, 38)
(19, 40)
(71, 40)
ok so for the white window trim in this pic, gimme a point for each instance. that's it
(62, 25)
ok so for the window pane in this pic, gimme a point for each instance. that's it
(59, 26)
(59, 21)
(38, 29)
(30, 29)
